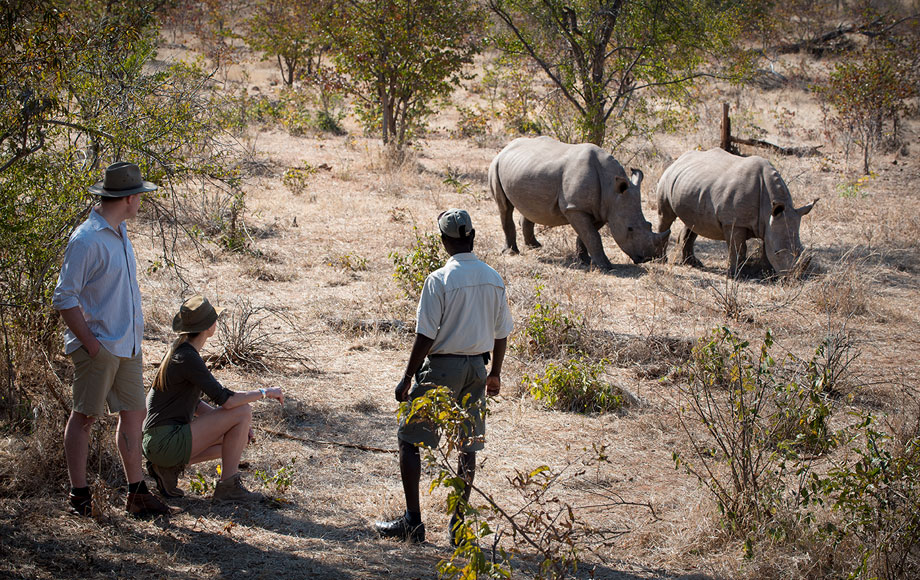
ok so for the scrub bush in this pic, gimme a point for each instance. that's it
(575, 385)
(425, 256)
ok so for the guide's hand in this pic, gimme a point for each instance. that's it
(402, 389)
(493, 385)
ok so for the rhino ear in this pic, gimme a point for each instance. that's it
(636, 176)
(807, 208)
(778, 209)
(621, 184)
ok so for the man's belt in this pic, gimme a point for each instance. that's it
(486, 357)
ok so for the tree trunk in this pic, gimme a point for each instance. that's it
(385, 106)
(291, 69)
(726, 143)
(595, 128)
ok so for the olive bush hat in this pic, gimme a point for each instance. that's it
(195, 315)
(121, 180)
(455, 223)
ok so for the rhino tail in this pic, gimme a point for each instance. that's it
(495, 187)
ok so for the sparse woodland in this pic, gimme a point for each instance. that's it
(656, 421)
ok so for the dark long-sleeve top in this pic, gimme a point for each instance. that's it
(187, 377)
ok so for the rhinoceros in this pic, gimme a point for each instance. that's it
(722, 196)
(553, 184)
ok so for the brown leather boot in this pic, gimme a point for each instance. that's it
(167, 479)
(145, 504)
(232, 490)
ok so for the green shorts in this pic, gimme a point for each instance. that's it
(168, 445)
(463, 375)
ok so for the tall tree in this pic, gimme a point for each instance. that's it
(77, 93)
(397, 56)
(604, 56)
(289, 31)
(867, 91)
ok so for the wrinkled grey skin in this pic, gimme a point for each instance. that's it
(726, 197)
(553, 184)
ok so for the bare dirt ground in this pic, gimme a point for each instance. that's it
(864, 282)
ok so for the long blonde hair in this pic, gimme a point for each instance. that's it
(159, 381)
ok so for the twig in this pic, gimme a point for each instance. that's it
(323, 442)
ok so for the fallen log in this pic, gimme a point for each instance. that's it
(804, 151)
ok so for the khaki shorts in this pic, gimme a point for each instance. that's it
(463, 375)
(107, 379)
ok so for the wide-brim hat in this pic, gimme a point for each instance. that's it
(121, 180)
(195, 315)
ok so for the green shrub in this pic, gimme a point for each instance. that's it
(237, 112)
(855, 189)
(349, 261)
(302, 112)
(574, 385)
(199, 484)
(280, 480)
(455, 180)
(425, 256)
(473, 123)
(878, 499)
(549, 330)
(297, 178)
(329, 122)
(762, 422)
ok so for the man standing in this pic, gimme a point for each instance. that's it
(99, 299)
(462, 316)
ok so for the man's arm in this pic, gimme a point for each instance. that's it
(494, 380)
(420, 350)
(73, 318)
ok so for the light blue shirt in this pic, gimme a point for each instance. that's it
(99, 274)
(463, 307)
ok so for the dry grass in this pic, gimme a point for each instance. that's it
(351, 324)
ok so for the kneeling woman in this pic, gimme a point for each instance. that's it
(180, 428)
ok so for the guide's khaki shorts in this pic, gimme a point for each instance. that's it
(463, 375)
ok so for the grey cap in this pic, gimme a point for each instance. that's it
(455, 223)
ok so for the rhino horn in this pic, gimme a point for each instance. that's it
(807, 208)
(636, 176)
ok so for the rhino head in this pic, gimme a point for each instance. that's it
(627, 224)
(781, 242)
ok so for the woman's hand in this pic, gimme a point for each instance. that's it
(275, 393)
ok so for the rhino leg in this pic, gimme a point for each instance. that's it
(589, 238)
(527, 229)
(737, 248)
(582, 252)
(685, 247)
(666, 215)
(505, 213)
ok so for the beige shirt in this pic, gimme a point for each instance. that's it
(463, 307)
